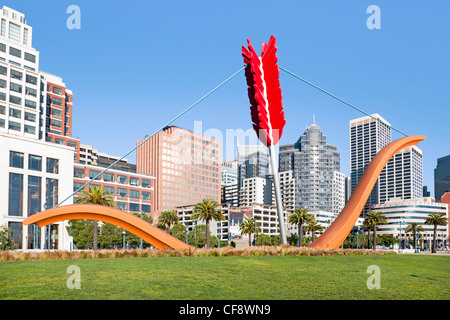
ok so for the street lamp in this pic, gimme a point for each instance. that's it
(195, 232)
(141, 238)
(400, 237)
(123, 237)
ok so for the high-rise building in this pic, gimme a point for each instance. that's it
(35, 174)
(441, 177)
(253, 161)
(401, 177)
(186, 165)
(315, 166)
(368, 135)
(255, 190)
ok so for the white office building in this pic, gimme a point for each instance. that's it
(400, 213)
(34, 175)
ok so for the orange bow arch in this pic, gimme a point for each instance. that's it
(335, 235)
(156, 237)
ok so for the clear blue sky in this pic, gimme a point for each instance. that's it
(134, 65)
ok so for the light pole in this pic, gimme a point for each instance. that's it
(400, 237)
(195, 232)
(141, 238)
(123, 237)
(229, 230)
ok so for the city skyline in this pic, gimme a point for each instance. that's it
(377, 70)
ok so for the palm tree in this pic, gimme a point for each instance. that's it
(96, 195)
(414, 228)
(300, 217)
(168, 218)
(249, 226)
(375, 218)
(207, 210)
(436, 219)
(312, 227)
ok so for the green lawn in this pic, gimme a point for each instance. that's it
(236, 278)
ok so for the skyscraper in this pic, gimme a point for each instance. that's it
(401, 177)
(441, 177)
(315, 166)
(253, 161)
(368, 135)
(187, 167)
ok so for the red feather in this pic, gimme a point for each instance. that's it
(264, 91)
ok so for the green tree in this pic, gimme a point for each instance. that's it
(133, 239)
(207, 210)
(375, 218)
(263, 240)
(312, 226)
(110, 236)
(179, 231)
(414, 228)
(168, 218)
(82, 232)
(6, 242)
(300, 216)
(199, 237)
(436, 219)
(96, 195)
(249, 226)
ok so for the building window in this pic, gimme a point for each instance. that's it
(3, 71)
(30, 92)
(56, 123)
(15, 113)
(52, 165)
(145, 195)
(93, 173)
(134, 207)
(15, 201)
(14, 32)
(25, 36)
(29, 129)
(30, 117)
(77, 185)
(78, 173)
(109, 189)
(134, 194)
(34, 195)
(146, 183)
(16, 159)
(14, 125)
(31, 79)
(121, 205)
(145, 208)
(15, 87)
(15, 100)
(51, 192)
(56, 102)
(56, 112)
(57, 90)
(122, 179)
(34, 162)
(16, 74)
(122, 192)
(15, 52)
(108, 177)
(134, 181)
(16, 233)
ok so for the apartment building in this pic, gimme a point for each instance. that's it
(186, 165)
(132, 192)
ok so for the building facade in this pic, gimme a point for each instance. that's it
(441, 177)
(34, 175)
(316, 170)
(367, 137)
(255, 190)
(132, 192)
(186, 165)
(400, 213)
(253, 161)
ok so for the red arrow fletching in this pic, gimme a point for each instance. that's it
(264, 92)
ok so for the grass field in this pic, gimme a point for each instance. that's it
(237, 278)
